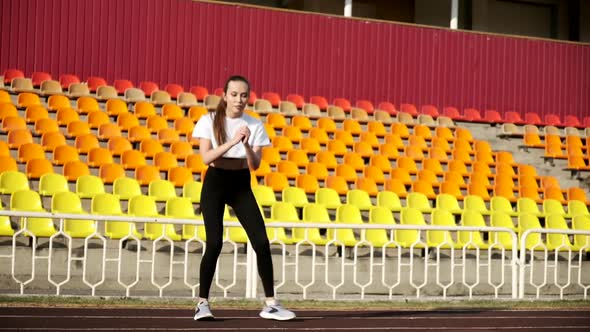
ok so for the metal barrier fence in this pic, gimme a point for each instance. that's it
(304, 269)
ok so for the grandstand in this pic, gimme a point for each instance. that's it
(370, 196)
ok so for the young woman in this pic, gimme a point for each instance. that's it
(230, 143)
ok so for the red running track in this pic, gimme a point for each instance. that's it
(134, 319)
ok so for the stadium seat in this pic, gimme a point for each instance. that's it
(473, 240)
(110, 172)
(125, 188)
(346, 214)
(192, 191)
(69, 203)
(312, 213)
(442, 239)
(87, 186)
(282, 212)
(94, 82)
(161, 190)
(35, 168)
(51, 183)
(389, 200)
(501, 240)
(410, 238)
(109, 205)
(28, 200)
(145, 206)
(182, 208)
(179, 175)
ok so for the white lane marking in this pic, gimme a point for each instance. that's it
(402, 328)
(299, 317)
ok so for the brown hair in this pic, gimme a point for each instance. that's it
(219, 119)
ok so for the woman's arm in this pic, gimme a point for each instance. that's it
(209, 154)
(253, 155)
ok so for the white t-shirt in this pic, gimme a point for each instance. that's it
(258, 135)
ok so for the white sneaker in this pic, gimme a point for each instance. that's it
(277, 312)
(203, 312)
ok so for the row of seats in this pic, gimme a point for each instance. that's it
(87, 186)
(144, 206)
(199, 93)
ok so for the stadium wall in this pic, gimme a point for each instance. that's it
(201, 43)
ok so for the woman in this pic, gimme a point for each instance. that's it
(230, 143)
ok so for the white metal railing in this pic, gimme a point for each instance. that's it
(562, 281)
(303, 269)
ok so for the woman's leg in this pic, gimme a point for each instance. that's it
(244, 204)
(212, 207)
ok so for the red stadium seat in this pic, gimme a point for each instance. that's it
(452, 112)
(366, 105)
(532, 118)
(552, 120)
(12, 73)
(148, 87)
(513, 117)
(492, 116)
(39, 76)
(321, 101)
(429, 110)
(342, 103)
(66, 79)
(174, 89)
(296, 99)
(472, 114)
(272, 97)
(122, 85)
(409, 108)
(387, 107)
(199, 91)
(572, 121)
(94, 82)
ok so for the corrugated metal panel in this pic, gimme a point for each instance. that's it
(190, 42)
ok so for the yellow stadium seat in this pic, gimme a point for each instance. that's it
(581, 223)
(390, 200)
(477, 203)
(296, 196)
(472, 239)
(87, 186)
(109, 205)
(313, 213)
(161, 190)
(265, 196)
(442, 239)
(5, 226)
(145, 206)
(182, 208)
(11, 181)
(501, 240)
(360, 199)
(534, 241)
(410, 238)
(192, 191)
(281, 212)
(69, 203)
(559, 242)
(51, 183)
(28, 200)
(449, 203)
(125, 188)
(346, 214)
(328, 197)
(380, 237)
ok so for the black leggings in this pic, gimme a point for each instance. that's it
(232, 187)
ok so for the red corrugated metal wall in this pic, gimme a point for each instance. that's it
(188, 42)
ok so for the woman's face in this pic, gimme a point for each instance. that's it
(236, 98)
